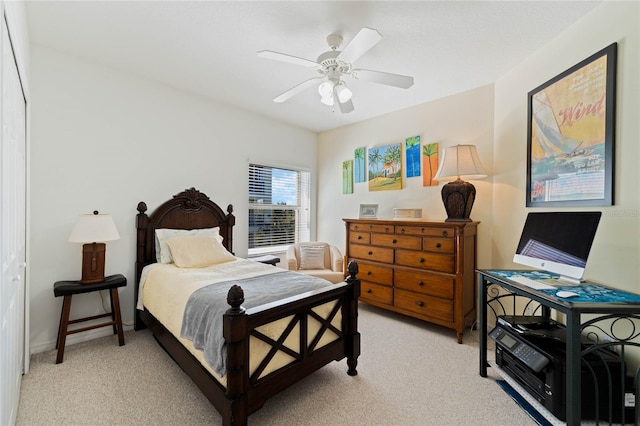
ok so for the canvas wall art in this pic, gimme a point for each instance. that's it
(429, 164)
(412, 152)
(359, 164)
(385, 167)
(347, 177)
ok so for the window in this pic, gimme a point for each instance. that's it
(278, 208)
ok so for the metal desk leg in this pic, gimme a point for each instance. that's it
(482, 323)
(573, 369)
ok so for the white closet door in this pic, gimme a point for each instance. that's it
(12, 231)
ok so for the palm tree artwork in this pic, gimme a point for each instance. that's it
(412, 151)
(358, 160)
(430, 164)
(385, 167)
(347, 177)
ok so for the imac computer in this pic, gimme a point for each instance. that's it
(558, 242)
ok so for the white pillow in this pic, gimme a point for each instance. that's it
(312, 256)
(197, 251)
(163, 255)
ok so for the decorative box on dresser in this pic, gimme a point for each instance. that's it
(422, 269)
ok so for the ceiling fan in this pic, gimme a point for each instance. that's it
(334, 64)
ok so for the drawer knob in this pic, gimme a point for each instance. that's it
(368, 272)
(370, 253)
(369, 290)
(386, 229)
(438, 245)
(402, 231)
(394, 241)
(420, 283)
(420, 303)
(445, 233)
(421, 260)
(359, 237)
(355, 228)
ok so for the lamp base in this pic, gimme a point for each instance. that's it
(93, 263)
(458, 197)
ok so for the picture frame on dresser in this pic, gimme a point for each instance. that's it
(368, 211)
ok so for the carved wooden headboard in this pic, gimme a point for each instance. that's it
(190, 209)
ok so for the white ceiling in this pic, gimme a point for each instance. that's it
(209, 47)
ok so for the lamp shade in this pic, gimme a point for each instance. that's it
(94, 228)
(460, 161)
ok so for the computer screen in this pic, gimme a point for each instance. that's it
(558, 242)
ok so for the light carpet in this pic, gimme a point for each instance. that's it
(410, 373)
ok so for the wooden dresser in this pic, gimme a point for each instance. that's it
(422, 269)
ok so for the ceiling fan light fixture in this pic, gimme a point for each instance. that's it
(326, 89)
(344, 94)
(327, 100)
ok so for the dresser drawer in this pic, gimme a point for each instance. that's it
(376, 292)
(375, 273)
(383, 229)
(426, 231)
(401, 241)
(439, 245)
(360, 237)
(359, 227)
(377, 254)
(426, 260)
(422, 282)
(424, 305)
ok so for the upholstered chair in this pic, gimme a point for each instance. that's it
(318, 259)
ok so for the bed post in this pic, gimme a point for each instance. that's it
(230, 220)
(142, 221)
(236, 336)
(352, 335)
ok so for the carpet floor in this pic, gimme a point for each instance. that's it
(410, 373)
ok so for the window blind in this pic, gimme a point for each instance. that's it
(279, 212)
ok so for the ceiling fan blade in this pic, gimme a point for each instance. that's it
(396, 80)
(359, 45)
(297, 89)
(268, 54)
(345, 107)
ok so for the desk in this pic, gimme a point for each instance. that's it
(595, 298)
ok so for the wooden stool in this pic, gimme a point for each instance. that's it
(68, 289)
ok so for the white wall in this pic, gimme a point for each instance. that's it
(465, 118)
(615, 257)
(105, 140)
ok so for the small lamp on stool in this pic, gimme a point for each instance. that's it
(458, 196)
(93, 230)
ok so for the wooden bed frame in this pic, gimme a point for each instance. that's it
(246, 393)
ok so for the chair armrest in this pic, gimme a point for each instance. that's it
(292, 261)
(337, 260)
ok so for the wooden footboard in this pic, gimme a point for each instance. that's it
(246, 393)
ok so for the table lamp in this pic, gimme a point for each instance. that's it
(458, 196)
(93, 230)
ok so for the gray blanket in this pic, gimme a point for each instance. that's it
(202, 320)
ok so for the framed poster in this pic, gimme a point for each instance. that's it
(570, 135)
